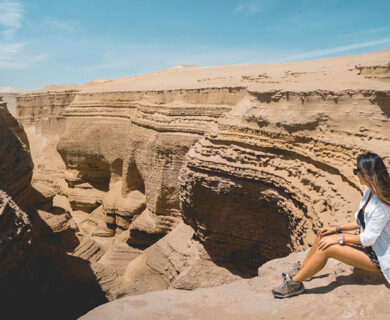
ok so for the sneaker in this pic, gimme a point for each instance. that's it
(288, 288)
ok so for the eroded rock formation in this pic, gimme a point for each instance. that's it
(40, 265)
(278, 168)
(194, 177)
(16, 164)
(337, 285)
(15, 240)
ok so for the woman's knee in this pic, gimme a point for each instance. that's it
(333, 250)
(329, 251)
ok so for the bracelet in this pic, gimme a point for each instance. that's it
(338, 229)
(341, 239)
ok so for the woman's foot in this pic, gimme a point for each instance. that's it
(288, 288)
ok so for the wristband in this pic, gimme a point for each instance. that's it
(341, 239)
(338, 229)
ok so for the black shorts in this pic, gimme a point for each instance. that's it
(370, 252)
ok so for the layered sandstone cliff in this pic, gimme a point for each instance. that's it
(278, 167)
(15, 174)
(194, 177)
(40, 248)
(16, 164)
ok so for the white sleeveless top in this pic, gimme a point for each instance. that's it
(377, 231)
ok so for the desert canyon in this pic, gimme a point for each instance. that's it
(183, 194)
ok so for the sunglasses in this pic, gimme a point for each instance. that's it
(355, 171)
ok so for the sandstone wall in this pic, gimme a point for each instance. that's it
(278, 168)
(44, 108)
(138, 139)
(40, 265)
(16, 164)
(15, 239)
(243, 164)
(15, 176)
(260, 171)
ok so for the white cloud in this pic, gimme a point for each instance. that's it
(249, 8)
(68, 26)
(11, 15)
(7, 49)
(328, 51)
(365, 32)
(13, 56)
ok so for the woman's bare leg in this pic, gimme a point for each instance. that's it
(343, 253)
(311, 251)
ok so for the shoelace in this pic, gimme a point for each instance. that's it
(286, 280)
(282, 286)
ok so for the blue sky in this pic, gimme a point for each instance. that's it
(46, 42)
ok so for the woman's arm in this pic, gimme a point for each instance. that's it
(351, 238)
(351, 226)
(379, 218)
(334, 239)
(344, 227)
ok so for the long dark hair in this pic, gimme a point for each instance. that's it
(374, 171)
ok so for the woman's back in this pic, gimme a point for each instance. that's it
(377, 229)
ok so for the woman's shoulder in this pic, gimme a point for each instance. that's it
(384, 207)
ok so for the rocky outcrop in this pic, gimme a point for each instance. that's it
(379, 72)
(337, 285)
(177, 260)
(193, 177)
(16, 164)
(41, 261)
(15, 239)
(46, 108)
(277, 168)
(139, 140)
(41, 115)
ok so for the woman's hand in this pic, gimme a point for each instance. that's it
(328, 241)
(326, 231)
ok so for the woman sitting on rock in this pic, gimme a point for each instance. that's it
(369, 250)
